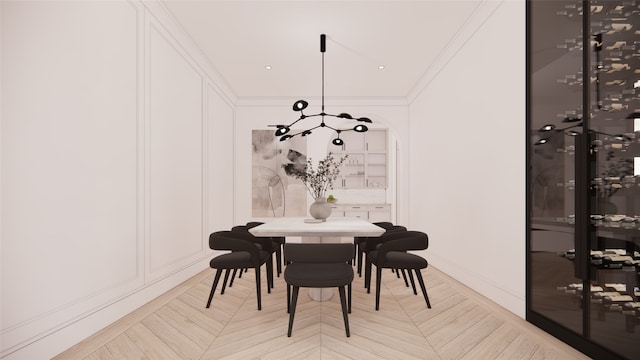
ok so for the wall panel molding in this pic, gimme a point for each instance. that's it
(58, 201)
(175, 125)
(164, 17)
(220, 184)
(129, 269)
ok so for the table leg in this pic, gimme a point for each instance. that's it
(321, 294)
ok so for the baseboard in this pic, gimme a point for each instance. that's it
(51, 344)
(487, 288)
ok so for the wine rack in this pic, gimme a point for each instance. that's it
(583, 116)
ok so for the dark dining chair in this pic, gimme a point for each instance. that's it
(262, 243)
(359, 248)
(243, 254)
(278, 242)
(318, 266)
(370, 243)
(392, 253)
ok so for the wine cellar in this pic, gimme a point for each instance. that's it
(583, 163)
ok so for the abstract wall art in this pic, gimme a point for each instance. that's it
(274, 193)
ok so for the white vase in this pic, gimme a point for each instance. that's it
(320, 209)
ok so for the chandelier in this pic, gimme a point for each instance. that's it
(283, 131)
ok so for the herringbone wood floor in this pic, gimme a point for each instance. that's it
(460, 325)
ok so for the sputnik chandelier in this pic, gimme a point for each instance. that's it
(551, 129)
(283, 130)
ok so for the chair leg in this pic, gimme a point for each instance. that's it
(359, 260)
(413, 283)
(397, 273)
(404, 276)
(258, 287)
(224, 282)
(294, 300)
(349, 296)
(269, 274)
(355, 253)
(424, 290)
(213, 287)
(343, 302)
(288, 298)
(233, 276)
(367, 274)
(279, 259)
(378, 282)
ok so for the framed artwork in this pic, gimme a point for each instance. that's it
(274, 193)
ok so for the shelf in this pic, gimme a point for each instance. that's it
(366, 153)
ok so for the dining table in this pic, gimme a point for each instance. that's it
(332, 230)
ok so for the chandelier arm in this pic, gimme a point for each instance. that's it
(332, 128)
(293, 123)
(335, 116)
(301, 118)
(314, 115)
(615, 136)
(313, 128)
(555, 132)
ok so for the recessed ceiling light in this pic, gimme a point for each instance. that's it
(380, 67)
(268, 67)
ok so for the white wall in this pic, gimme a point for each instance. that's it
(112, 173)
(258, 114)
(467, 158)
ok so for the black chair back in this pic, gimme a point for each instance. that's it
(235, 241)
(318, 253)
(402, 241)
(384, 224)
(394, 229)
(253, 224)
(264, 242)
(393, 232)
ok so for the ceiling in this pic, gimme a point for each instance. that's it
(240, 38)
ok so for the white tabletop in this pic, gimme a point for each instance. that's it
(338, 226)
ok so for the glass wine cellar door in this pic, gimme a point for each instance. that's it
(583, 181)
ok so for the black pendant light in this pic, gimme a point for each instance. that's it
(633, 115)
(550, 130)
(282, 131)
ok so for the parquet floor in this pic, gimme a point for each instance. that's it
(461, 325)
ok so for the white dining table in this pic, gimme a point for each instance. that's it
(331, 230)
